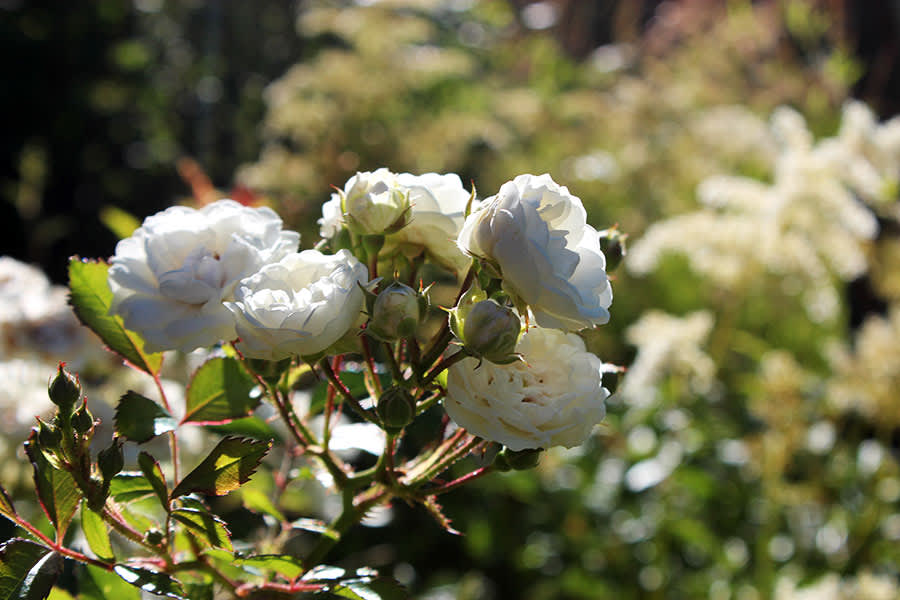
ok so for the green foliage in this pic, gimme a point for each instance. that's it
(219, 392)
(91, 299)
(99, 584)
(230, 464)
(209, 528)
(140, 419)
(97, 533)
(56, 490)
(154, 582)
(27, 570)
(154, 476)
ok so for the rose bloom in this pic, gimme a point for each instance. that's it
(300, 305)
(170, 278)
(437, 211)
(553, 397)
(537, 234)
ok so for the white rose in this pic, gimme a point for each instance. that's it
(371, 203)
(170, 278)
(554, 397)
(437, 210)
(536, 232)
(300, 305)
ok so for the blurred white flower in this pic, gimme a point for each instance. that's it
(537, 234)
(171, 277)
(37, 321)
(300, 305)
(668, 345)
(553, 397)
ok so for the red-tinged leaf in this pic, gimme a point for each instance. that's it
(435, 510)
(228, 466)
(6, 505)
(56, 490)
(90, 296)
(27, 570)
(220, 390)
(154, 475)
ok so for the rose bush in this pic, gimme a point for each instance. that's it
(535, 234)
(553, 397)
(171, 277)
(298, 306)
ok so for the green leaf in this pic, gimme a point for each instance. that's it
(139, 418)
(205, 525)
(257, 501)
(283, 564)
(98, 584)
(129, 486)
(96, 533)
(27, 570)
(153, 472)
(150, 581)
(252, 427)
(221, 390)
(91, 298)
(56, 490)
(379, 588)
(6, 505)
(120, 222)
(228, 466)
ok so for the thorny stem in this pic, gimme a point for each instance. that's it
(370, 365)
(329, 403)
(344, 391)
(445, 336)
(392, 363)
(468, 477)
(445, 364)
(173, 437)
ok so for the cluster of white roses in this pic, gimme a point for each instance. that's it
(189, 278)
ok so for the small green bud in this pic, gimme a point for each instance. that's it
(396, 408)
(64, 391)
(111, 460)
(83, 420)
(612, 243)
(519, 460)
(396, 313)
(154, 537)
(49, 436)
(491, 331)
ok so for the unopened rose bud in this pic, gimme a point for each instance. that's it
(375, 205)
(395, 313)
(48, 436)
(396, 408)
(491, 331)
(64, 391)
(111, 460)
(518, 460)
(612, 243)
(83, 420)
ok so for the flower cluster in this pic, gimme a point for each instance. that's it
(529, 272)
(809, 223)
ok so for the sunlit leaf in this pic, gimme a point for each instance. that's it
(252, 427)
(150, 581)
(6, 505)
(228, 466)
(282, 564)
(221, 390)
(98, 584)
(120, 222)
(154, 475)
(56, 490)
(257, 501)
(205, 525)
(316, 526)
(96, 533)
(91, 298)
(140, 419)
(129, 486)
